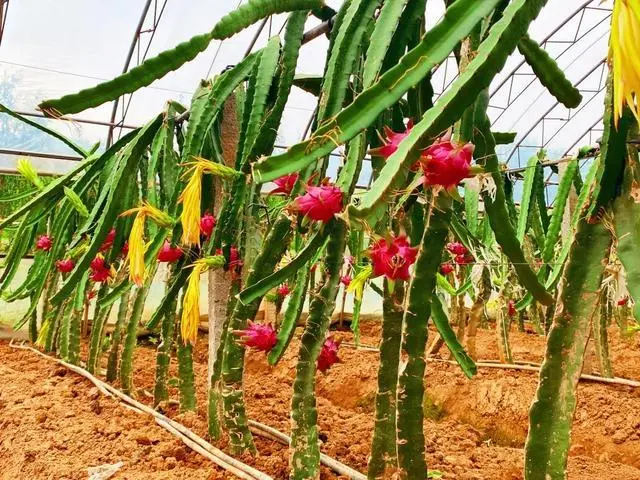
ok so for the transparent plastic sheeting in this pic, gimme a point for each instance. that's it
(48, 51)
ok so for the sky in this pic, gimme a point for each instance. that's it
(54, 47)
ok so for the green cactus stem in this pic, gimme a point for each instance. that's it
(215, 384)
(384, 456)
(186, 377)
(116, 337)
(601, 338)
(163, 354)
(551, 415)
(75, 321)
(54, 322)
(305, 456)
(97, 328)
(233, 358)
(410, 393)
(135, 308)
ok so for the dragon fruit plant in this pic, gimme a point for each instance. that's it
(199, 207)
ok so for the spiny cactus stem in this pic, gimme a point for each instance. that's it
(116, 337)
(410, 390)
(384, 456)
(235, 418)
(305, 456)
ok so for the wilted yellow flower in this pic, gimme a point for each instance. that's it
(136, 238)
(191, 302)
(625, 55)
(191, 196)
(357, 284)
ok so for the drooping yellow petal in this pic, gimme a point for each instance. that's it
(624, 55)
(191, 198)
(191, 301)
(136, 250)
(136, 237)
(191, 307)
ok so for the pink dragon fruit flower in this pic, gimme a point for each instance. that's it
(345, 280)
(285, 184)
(44, 243)
(207, 224)
(447, 268)
(65, 266)
(320, 203)
(169, 254)
(456, 248)
(108, 241)
(258, 336)
(391, 141)
(283, 290)
(393, 259)
(446, 164)
(328, 355)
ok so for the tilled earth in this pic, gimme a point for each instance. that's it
(54, 424)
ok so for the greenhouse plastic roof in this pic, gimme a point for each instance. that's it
(50, 48)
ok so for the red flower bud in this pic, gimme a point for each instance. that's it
(447, 268)
(44, 242)
(456, 248)
(345, 280)
(168, 253)
(98, 263)
(65, 266)
(108, 242)
(207, 224)
(393, 259)
(446, 163)
(623, 301)
(285, 184)
(283, 290)
(463, 259)
(125, 249)
(320, 203)
(512, 308)
(328, 355)
(391, 141)
(259, 336)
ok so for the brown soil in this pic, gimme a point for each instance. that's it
(54, 424)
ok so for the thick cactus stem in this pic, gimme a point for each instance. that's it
(186, 377)
(136, 306)
(97, 329)
(305, 456)
(601, 338)
(410, 393)
(551, 415)
(235, 418)
(215, 384)
(116, 338)
(163, 354)
(383, 461)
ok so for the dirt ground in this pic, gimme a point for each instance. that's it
(54, 424)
